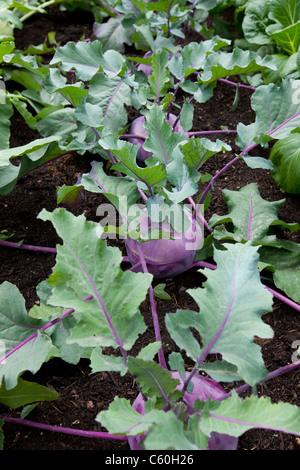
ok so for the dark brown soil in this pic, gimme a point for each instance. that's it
(83, 395)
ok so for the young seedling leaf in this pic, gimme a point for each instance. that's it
(26, 392)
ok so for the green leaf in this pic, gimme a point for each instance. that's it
(154, 380)
(26, 392)
(83, 57)
(143, 37)
(286, 263)
(184, 180)
(223, 64)
(221, 371)
(255, 22)
(106, 362)
(231, 304)
(112, 34)
(288, 38)
(169, 434)
(192, 57)
(178, 325)
(249, 213)
(234, 416)
(89, 114)
(284, 12)
(121, 418)
(27, 149)
(5, 115)
(159, 291)
(197, 151)
(161, 140)
(17, 327)
(126, 154)
(277, 109)
(61, 122)
(86, 266)
(121, 192)
(159, 79)
(285, 156)
(111, 94)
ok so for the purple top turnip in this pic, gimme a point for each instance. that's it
(166, 257)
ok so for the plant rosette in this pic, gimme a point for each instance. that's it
(203, 389)
(165, 257)
(139, 130)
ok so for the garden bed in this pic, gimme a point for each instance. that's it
(82, 394)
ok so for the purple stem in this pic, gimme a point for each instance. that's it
(217, 131)
(271, 375)
(229, 82)
(27, 247)
(63, 430)
(161, 356)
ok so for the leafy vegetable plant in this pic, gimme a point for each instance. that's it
(90, 304)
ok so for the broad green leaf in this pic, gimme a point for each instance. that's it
(197, 151)
(6, 112)
(285, 156)
(288, 38)
(6, 47)
(170, 434)
(159, 79)
(154, 380)
(26, 392)
(121, 192)
(255, 22)
(27, 149)
(224, 64)
(85, 267)
(143, 38)
(178, 325)
(192, 57)
(61, 122)
(161, 140)
(149, 351)
(106, 362)
(89, 114)
(10, 174)
(277, 108)
(284, 12)
(184, 180)
(16, 328)
(83, 57)
(112, 34)
(221, 371)
(249, 213)
(111, 94)
(231, 304)
(121, 418)
(286, 263)
(126, 155)
(235, 415)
